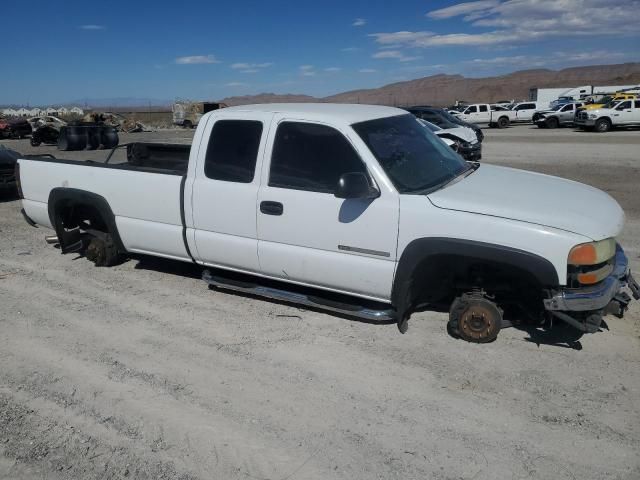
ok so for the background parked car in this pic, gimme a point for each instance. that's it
(525, 110)
(443, 119)
(559, 116)
(14, 128)
(8, 160)
(461, 139)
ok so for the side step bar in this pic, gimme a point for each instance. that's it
(352, 310)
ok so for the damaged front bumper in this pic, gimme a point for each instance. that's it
(586, 305)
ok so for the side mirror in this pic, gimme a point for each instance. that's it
(355, 185)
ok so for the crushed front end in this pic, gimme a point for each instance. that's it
(599, 283)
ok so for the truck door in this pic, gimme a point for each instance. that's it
(225, 190)
(525, 111)
(309, 236)
(471, 114)
(624, 113)
(484, 114)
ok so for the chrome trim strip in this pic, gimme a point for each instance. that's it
(378, 253)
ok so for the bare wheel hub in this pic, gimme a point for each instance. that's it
(477, 322)
(475, 318)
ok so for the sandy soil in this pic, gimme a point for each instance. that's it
(139, 371)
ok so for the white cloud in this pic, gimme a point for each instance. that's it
(196, 59)
(367, 70)
(251, 67)
(92, 27)
(236, 84)
(359, 22)
(429, 39)
(394, 54)
(307, 70)
(333, 69)
(462, 9)
(517, 21)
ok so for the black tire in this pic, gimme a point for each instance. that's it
(474, 319)
(35, 142)
(103, 253)
(109, 137)
(93, 138)
(187, 124)
(603, 125)
(552, 122)
(503, 122)
(541, 125)
(72, 138)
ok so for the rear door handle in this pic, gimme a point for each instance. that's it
(271, 208)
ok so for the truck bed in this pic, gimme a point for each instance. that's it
(144, 192)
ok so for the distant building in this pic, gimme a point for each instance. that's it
(76, 111)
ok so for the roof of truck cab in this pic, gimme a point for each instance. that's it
(323, 112)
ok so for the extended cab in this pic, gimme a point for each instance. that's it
(524, 111)
(485, 114)
(625, 113)
(352, 208)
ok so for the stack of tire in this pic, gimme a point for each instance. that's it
(89, 136)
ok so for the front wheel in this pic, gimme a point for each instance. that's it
(503, 122)
(474, 319)
(552, 123)
(603, 125)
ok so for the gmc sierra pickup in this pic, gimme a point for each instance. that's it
(351, 208)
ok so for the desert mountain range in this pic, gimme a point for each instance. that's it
(446, 89)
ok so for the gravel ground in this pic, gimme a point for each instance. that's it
(139, 371)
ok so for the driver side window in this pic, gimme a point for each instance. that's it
(311, 157)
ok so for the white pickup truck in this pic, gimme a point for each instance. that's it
(485, 114)
(625, 113)
(351, 208)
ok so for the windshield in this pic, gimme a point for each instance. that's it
(415, 159)
(429, 125)
(453, 118)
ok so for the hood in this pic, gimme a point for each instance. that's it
(463, 133)
(534, 198)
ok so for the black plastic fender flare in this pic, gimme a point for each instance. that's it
(62, 194)
(421, 249)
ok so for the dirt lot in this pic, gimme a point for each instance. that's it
(140, 371)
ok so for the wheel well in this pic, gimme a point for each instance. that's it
(434, 270)
(603, 118)
(70, 208)
(440, 278)
(73, 214)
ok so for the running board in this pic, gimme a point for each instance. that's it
(352, 310)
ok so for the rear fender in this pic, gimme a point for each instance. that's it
(60, 197)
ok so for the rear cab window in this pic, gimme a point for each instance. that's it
(233, 150)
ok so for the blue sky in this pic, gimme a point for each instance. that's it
(69, 50)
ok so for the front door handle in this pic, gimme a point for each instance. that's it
(271, 208)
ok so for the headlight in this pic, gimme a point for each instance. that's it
(593, 117)
(592, 253)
